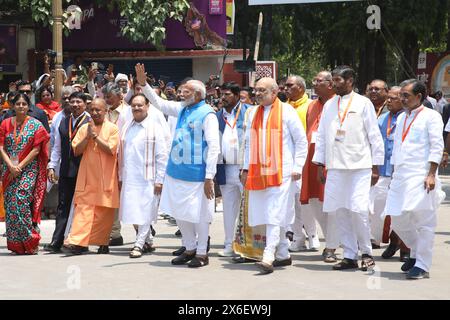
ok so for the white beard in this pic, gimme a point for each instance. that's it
(187, 103)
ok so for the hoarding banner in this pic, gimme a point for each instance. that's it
(263, 2)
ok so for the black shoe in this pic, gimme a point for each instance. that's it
(417, 273)
(103, 250)
(375, 246)
(183, 258)
(390, 251)
(290, 235)
(178, 233)
(179, 251)
(408, 264)
(198, 262)
(282, 263)
(153, 230)
(208, 246)
(346, 264)
(404, 256)
(77, 250)
(52, 247)
(116, 242)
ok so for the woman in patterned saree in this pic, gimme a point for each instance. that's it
(23, 147)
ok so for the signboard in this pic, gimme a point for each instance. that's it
(434, 70)
(230, 16)
(8, 47)
(266, 69)
(215, 7)
(264, 2)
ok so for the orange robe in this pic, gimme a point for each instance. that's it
(311, 187)
(97, 189)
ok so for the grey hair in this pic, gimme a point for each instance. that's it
(299, 80)
(326, 75)
(198, 86)
(112, 88)
(395, 88)
(67, 90)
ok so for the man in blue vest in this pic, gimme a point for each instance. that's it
(188, 192)
(231, 123)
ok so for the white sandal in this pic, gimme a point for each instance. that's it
(136, 252)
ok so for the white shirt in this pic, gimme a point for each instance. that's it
(433, 102)
(295, 145)
(210, 127)
(441, 104)
(424, 142)
(361, 109)
(230, 138)
(55, 156)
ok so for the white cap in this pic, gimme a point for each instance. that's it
(121, 76)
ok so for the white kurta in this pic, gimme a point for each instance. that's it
(275, 205)
(138, 204)
(411, 160)
(348, 178)
(186, 200)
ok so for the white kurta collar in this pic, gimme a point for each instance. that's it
(144, 123)
(347, 95)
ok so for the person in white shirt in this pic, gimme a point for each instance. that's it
(271, 168)
(441, 101)
(350, 145)
(188, 192)
(415, 193)
(143, 158)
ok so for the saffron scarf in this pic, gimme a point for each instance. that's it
(301, 106)
(50, 109)
(262, 175)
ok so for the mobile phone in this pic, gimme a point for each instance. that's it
(94, 65)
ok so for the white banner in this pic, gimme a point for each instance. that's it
(262, 2)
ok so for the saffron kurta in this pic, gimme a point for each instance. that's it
(311, 187)
(97, 190)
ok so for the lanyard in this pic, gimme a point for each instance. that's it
(381, 110)
(342, 119)
(72, 135)
(389, 128)
(405, 133)
(235, 118)
(17, 138)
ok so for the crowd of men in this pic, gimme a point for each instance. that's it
(362, 167)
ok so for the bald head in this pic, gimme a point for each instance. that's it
(266, 91)
(295, 87)
(323, 85)
(98, 110)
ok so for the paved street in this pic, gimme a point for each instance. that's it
(116, 276)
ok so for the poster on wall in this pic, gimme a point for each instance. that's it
(230, 16)
(8, 47)
(215, 7)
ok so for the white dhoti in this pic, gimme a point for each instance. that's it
(274, 205)
(413, 211)
(378, 196)
(231, 197)
(187, 203)
(347, 193)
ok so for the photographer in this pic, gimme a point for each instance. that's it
(77, 72)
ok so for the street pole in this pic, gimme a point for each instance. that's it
(57, 13)
(256, 53)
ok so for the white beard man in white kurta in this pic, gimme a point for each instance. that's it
(411, 203)
(186, 200)
(274, 206)
(349, 144)
(143, 154)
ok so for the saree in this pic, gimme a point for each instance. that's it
(24, 195)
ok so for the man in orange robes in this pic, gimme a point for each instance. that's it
(97, 188)
(311, 196)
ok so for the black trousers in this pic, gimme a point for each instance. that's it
(66, 190)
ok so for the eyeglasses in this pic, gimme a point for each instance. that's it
(319, 81)
(66, 98)
(375, 89)
(25, 91)
(261, 90)
(405, 95)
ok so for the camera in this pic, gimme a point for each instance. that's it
(51, 53)
(215, 77)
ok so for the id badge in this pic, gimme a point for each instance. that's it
(340, 135)
(314, 137)
(15, 161)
